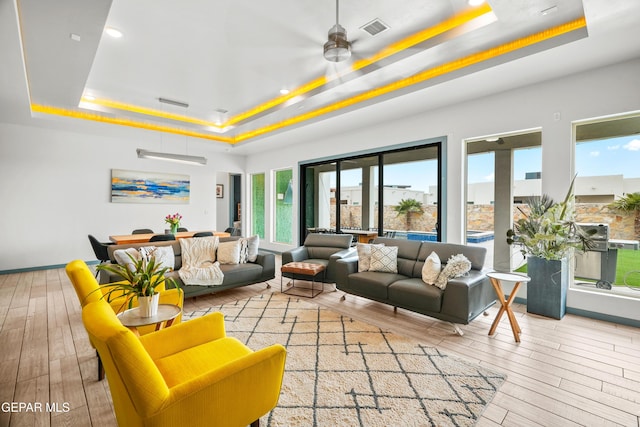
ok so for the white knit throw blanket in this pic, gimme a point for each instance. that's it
(199, 265)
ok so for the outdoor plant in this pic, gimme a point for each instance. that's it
(140, 278)
(629, 203)
(408, 207)
(549, 229)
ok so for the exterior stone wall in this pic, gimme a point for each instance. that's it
(621, 225)
(480, 218)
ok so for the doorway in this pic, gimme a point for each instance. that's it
(503, 172)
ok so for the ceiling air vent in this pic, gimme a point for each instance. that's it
(375, 27)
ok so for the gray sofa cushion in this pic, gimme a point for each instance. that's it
(238, 273)
(373, 284)
(407, 254)
(475, 254)
(414, 293)
(322, 246)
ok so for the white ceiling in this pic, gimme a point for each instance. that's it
(236, 55)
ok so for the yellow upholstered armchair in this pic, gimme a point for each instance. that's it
(189, 374)
(88, 290)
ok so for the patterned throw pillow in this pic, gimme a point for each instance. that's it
(364, 256)
(163, 254)
(249, 249)
(122, 257)
(431, 269)
(457, 266)
(229, 252)
(384, 259)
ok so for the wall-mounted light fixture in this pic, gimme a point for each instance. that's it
(182, 158)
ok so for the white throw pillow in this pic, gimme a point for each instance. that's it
(249, 248)
(364, 256)
(122, 257)
(229, 252)
(163, 254)
(431, 269)
(457, 266)
(384, 259)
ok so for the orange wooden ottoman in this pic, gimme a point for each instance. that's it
(306, 269)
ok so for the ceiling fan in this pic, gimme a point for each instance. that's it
(338, 47)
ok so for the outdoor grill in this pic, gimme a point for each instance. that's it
(599, 262)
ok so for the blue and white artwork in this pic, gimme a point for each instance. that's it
(148, 187)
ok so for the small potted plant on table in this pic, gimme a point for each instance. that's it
(142, 278)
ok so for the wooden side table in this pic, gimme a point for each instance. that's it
(496, 280)
(167, 313)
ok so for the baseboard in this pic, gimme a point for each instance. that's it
(593, 315)
(42, 267)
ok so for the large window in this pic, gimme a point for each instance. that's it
(257, 204)
(283, 212)
(607, 155)
(392, 193)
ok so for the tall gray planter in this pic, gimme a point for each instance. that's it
(547, 290)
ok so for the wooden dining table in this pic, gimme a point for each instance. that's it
(363, 236)
(142, 238)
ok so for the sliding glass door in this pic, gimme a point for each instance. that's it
(374, 194)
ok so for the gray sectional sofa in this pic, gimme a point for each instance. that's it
(462, 301)
(235, 275)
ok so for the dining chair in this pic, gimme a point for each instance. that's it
(162, 237)
(100, 250)
(233, 231)
(142, 231)
(182, 229)
(203, 234)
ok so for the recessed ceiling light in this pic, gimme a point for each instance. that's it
(475, 2)
(549, 10)
(115, 33)
(284, 91)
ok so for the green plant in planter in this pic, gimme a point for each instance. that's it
(549, 229)
(547, 236)
(140, 280)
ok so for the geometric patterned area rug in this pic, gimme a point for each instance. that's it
(343, 372)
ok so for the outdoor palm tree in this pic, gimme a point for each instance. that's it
(408, 207)
(630, 203)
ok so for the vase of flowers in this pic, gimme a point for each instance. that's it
(173, 221)
(142, 279)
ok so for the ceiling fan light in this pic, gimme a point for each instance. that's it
(337, 48)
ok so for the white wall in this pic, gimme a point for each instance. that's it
(55, 190)
(222, 205)
(551, 106)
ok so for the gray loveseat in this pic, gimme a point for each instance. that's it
(324, 249)
(462, 301)
(235, 275)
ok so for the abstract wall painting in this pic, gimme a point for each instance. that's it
(148, 187)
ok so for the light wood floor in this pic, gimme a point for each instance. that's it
(576, 371)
